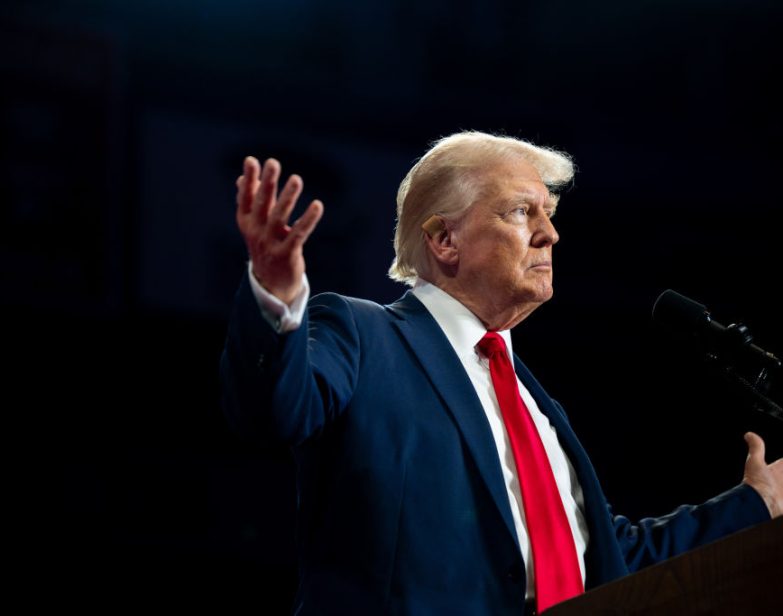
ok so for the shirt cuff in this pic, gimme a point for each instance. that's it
(282, 317)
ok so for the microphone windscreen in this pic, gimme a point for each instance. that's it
(678, 312)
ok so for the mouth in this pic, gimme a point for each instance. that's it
(542, 265)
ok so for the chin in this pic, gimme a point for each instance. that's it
(542, 294)
(534, 298)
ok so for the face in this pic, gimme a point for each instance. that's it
(504, 244)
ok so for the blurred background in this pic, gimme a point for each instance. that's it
(123, 126)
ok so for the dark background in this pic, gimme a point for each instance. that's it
(123, 126)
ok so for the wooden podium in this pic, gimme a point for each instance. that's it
(739, 574)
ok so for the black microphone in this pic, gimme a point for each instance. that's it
(729, 343)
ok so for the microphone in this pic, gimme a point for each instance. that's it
(746, 365)
(733, 342)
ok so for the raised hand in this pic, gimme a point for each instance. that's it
(275, 248)
(766, 479)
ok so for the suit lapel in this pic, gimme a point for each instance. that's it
(565, 435)
(450, 381)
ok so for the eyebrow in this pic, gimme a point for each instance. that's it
(530, 197)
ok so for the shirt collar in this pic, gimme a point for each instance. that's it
(463, 329)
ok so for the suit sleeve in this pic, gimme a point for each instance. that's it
(288, 387)
(655, 539)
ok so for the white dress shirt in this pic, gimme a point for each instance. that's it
(464, 330)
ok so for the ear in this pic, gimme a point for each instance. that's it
(438, 235)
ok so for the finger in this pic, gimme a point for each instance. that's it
(756, 448)
(247, 184)
(287, 199)
(265, 196)
(304, 226)
(240, 183)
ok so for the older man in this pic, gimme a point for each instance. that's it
(435, 474)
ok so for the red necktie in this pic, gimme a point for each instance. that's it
(555, 564)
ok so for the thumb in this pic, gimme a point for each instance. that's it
(755, 449)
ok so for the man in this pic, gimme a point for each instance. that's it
(414, 455)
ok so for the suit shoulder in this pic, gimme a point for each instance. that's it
(360, 309)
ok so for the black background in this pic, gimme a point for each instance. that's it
(122, 129)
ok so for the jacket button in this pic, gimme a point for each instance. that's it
(514, 573)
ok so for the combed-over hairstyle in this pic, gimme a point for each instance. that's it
(447, 181)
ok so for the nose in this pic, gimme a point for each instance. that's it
(545, 233)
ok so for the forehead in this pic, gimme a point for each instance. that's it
(514, 178)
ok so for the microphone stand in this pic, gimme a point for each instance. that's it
(760, 402)
(755, 387)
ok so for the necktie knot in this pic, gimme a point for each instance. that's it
(491, 344)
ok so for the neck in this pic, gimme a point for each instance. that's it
(494, 316)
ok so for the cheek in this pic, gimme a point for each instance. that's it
(506, 265)
(498, 254)
(512, 247)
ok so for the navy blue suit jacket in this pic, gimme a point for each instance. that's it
(402, 505)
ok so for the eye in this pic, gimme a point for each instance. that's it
(517, 212)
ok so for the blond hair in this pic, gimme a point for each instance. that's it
(447, 181)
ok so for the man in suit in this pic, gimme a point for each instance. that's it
(414, 489)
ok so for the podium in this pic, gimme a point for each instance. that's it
(739, 574)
